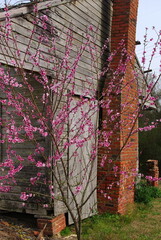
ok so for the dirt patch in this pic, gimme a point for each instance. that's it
(14, 226)
(15, 232)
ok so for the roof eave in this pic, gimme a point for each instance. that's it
(21, 10)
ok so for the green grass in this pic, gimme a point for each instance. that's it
(143, 223)
(66, 232)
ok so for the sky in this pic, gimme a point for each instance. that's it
(149, 15)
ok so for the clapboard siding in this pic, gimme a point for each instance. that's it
(24, 24)
(63, 20)
(80, 15)
(81, 66)
(24, 150)
(44, 48)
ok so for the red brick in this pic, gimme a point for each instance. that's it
(123, 26)
(54, 225)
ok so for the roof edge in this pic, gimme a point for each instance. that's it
(21, 10)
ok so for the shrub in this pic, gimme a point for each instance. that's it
(145, 193)
(66, 232)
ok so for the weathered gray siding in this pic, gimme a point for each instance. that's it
(11, 200)
(63, 14)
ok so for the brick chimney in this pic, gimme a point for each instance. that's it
(116, 179)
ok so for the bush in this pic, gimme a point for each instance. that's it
(66, 232)
(145, 193)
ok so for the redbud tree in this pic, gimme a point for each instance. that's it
(49, 131)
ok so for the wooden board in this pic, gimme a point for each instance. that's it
(82, 170)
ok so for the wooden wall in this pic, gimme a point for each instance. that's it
(63, 15)
(11, 200)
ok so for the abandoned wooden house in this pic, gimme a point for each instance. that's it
(114, 19)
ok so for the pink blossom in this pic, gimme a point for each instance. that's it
(33, 180)
(78, 189)
(45, 205)
(91, 28)
(40, 164)
(24, 196)
(109, 198)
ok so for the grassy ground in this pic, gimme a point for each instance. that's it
(141, 224)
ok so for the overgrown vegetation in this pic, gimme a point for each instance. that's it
(65, 232)
(145, 193)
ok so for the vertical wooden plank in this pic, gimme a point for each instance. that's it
(82, 170)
